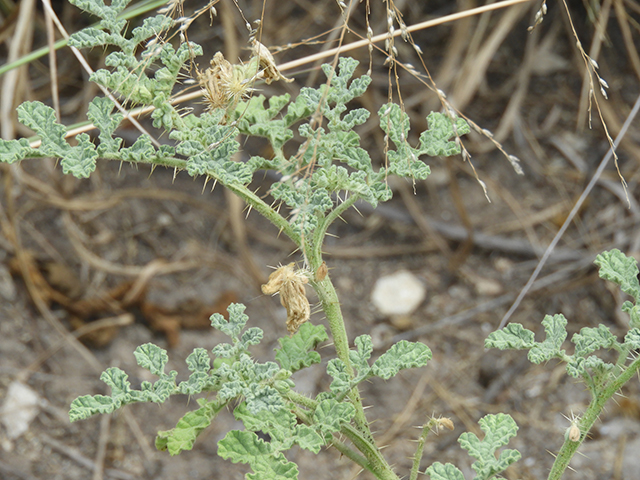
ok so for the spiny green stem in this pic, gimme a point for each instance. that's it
(378, 465)
(417, 457)
(351, 454)
(300, 399)
(340, 446)
(321, 231)
(592, 413)
(169, 162)
(265, 210)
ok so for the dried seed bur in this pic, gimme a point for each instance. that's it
(290, 285)
(267, 64)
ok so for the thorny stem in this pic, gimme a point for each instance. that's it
(592, 413)
(417, 457)
(377, 464)
(321, 231)
(348, 452)
(259, 205)
(361, 437)
(372, 460)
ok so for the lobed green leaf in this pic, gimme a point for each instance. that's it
(556, 333)
(188, 428)
(402, 355)
(89, 405)
(100, 112)
(80, 161)
(498, 430)
(152, 358)
(447, 471)
(298, 351)
(235, 324)
(620, 269)
(247, 447)
(42, 119)
(341, 379)
(512, 337)
(330, 415)
(435, 140)
(12, 151)
(591, 339)
(632, 339)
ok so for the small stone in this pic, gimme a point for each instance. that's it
(21, 405)
(398, 294)
(487, 287)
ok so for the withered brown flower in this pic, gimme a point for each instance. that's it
(289, 283)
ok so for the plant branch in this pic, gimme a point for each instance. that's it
(592, 413)
(377, 463)
(321, 231)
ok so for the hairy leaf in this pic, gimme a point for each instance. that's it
(12, 151)
(330, 414)
(235, 324)
(556, 333)
(100, 113)
(498, 430)
(89, 405)
(246, 447)
(341, 380)
(152, 357)
(618, 268)
(435, 141)
(298, 351)
(513, 336)
(402, 355)
(440, 471)
(80, 161)
(359, 358)
(42, 119)
(591, 339)
(632, 339)
(184, 435)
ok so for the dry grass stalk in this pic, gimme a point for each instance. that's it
(290, 285)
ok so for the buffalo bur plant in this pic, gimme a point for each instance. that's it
(328, 173)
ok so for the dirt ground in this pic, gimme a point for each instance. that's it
(157, 252)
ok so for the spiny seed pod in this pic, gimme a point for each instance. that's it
(290, 285)
(445, 423)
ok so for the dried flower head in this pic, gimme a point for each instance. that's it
(289, 283)
(223, 83)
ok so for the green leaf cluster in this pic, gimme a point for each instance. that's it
(260, 392)
(400, 356)
(498, 429)
(583, 363)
